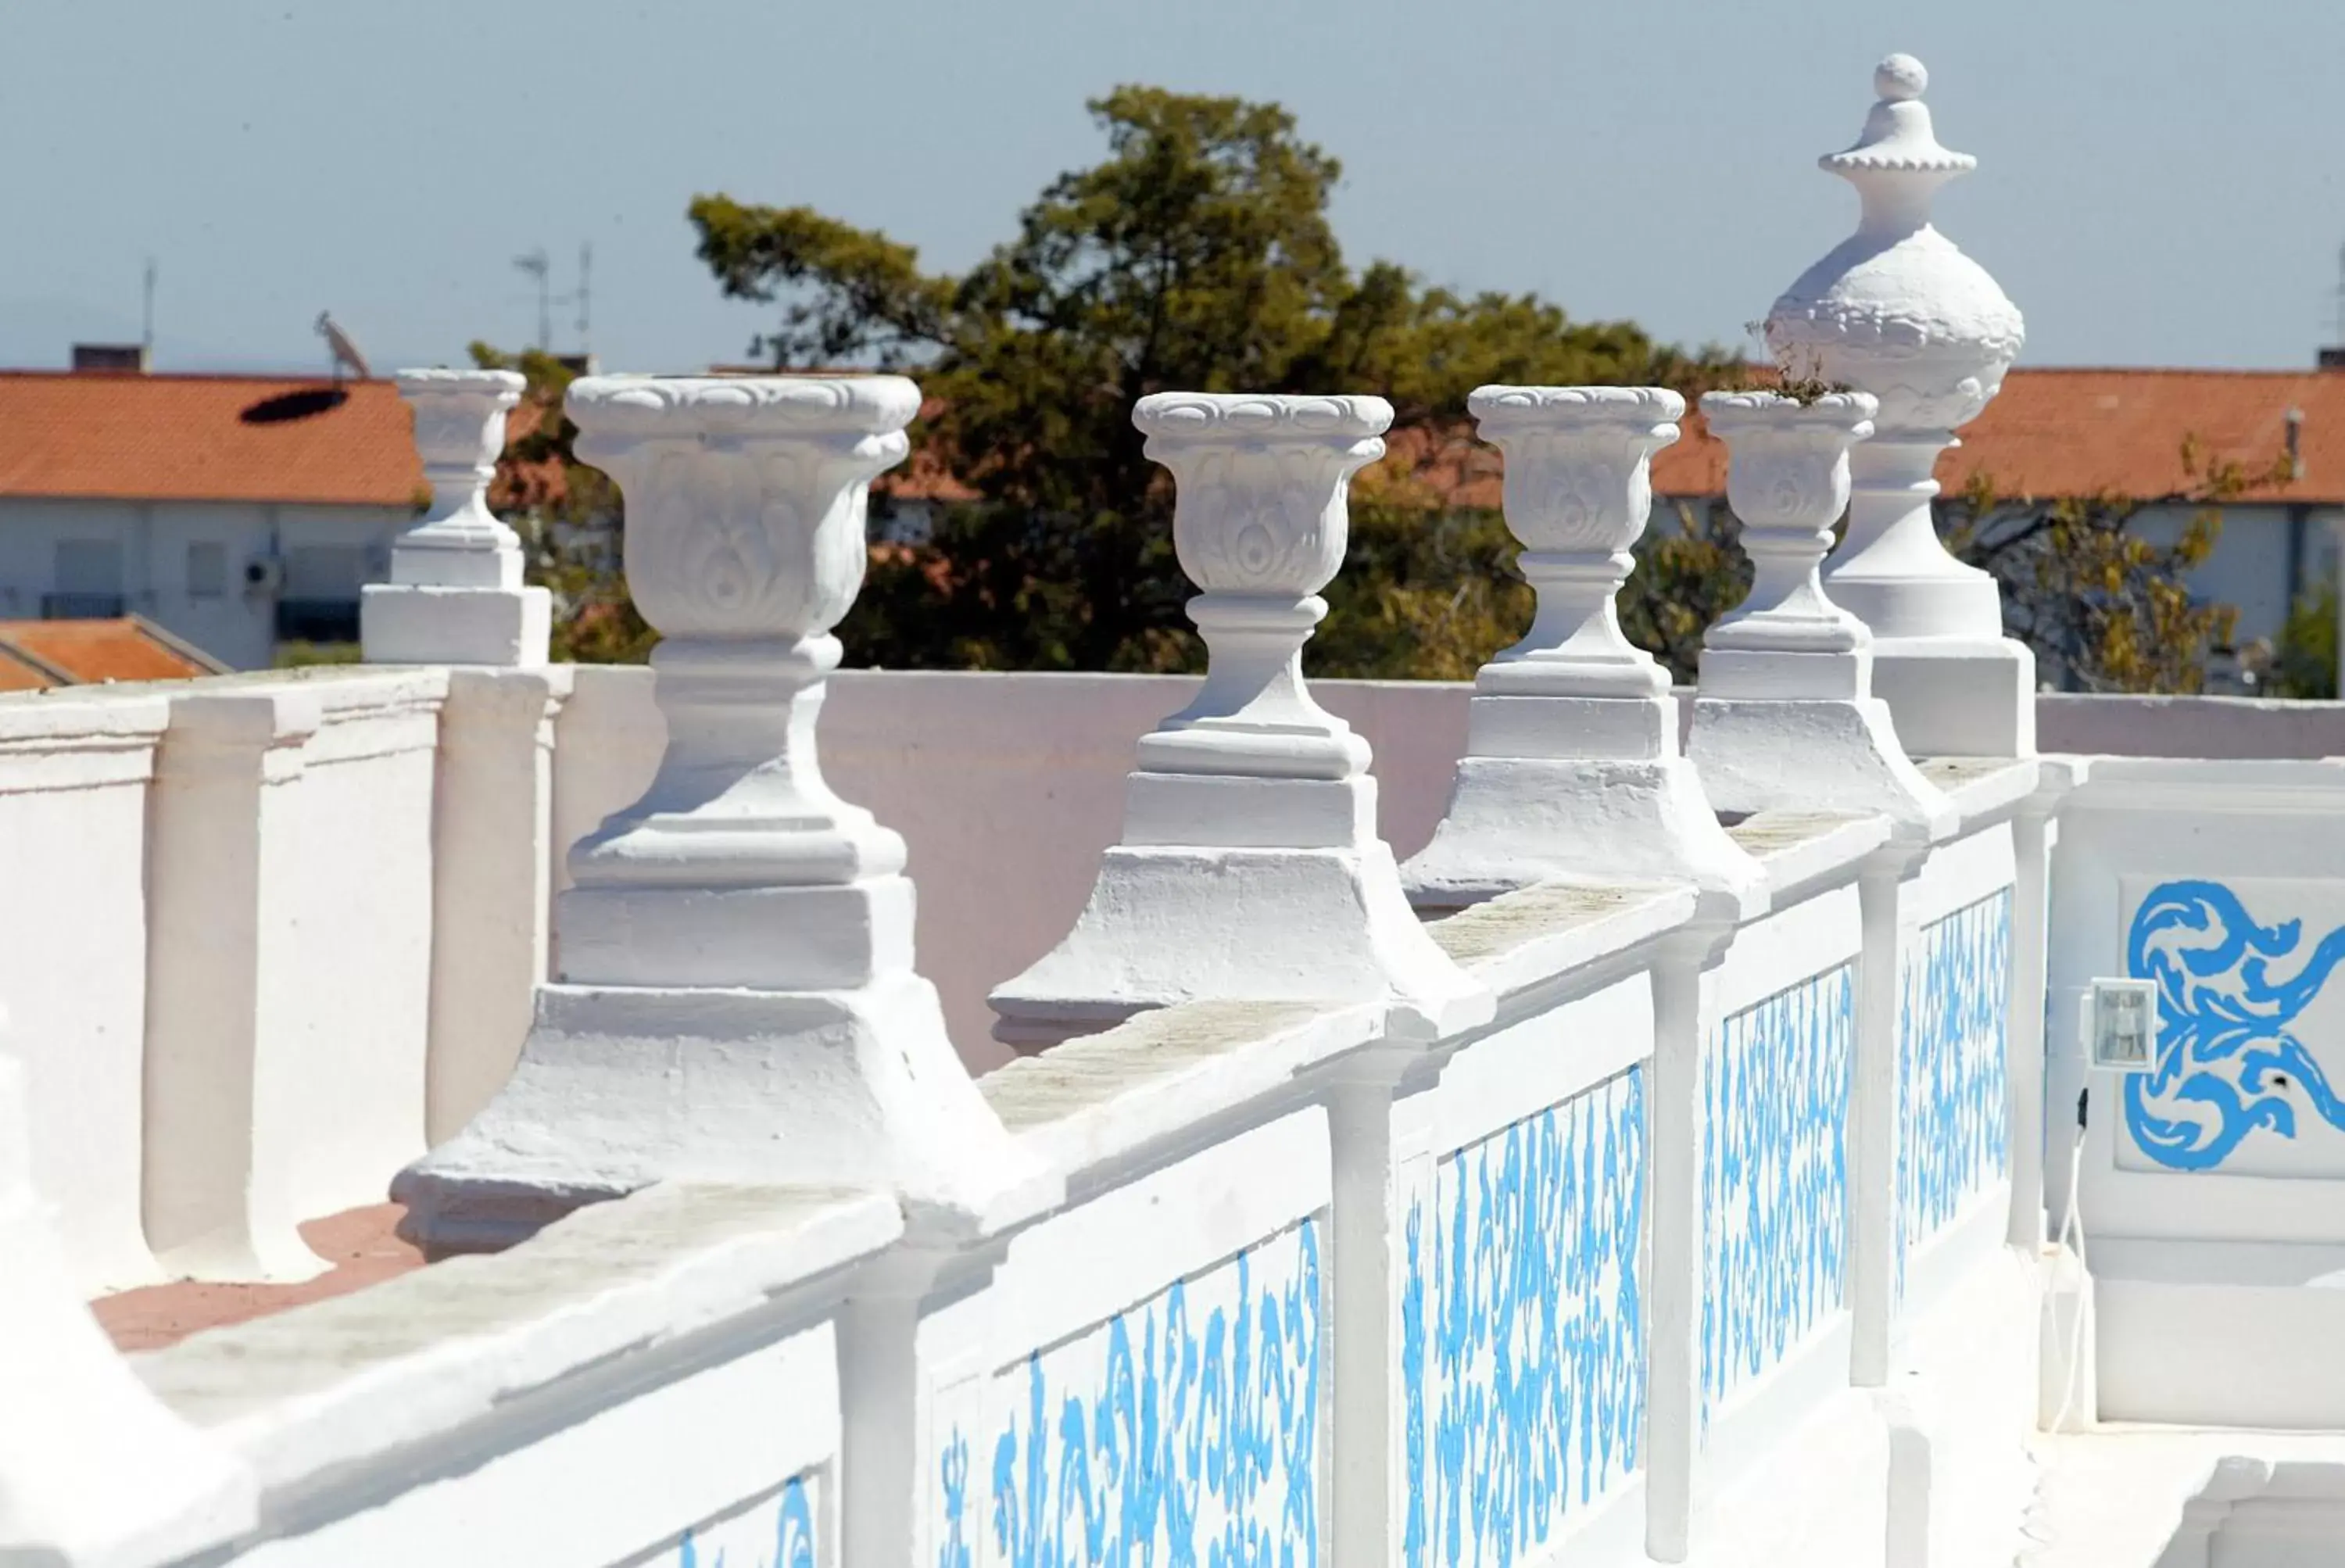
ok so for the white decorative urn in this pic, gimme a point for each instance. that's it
(737, 1000)
(455, 594)
(1785, 715)
(1572, 770)
(1250, 868)
(1898, 312)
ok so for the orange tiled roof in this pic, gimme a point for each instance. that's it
(2085, 432)
(40, 653)
(205, 438)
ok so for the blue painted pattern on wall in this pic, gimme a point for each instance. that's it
(1523, 1330)
(1952, 1123)
(775, 1533)
(2224, 1043)
(1183, 1430)
(1774, 1176)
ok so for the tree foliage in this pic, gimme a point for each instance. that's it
(1197, 256)
(2102, 601)
(567, 514)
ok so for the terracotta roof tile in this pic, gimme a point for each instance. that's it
(205, 438)
(37, 654)
(2085, 432)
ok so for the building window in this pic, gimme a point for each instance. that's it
(88, 581)
(320, 602)
(206, 571)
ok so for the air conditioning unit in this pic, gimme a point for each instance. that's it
(263, 574)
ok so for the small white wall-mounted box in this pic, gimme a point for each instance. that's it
(2120, 1025)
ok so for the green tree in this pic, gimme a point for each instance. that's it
(1197, 256)
(2305, 663)
(2103, 603)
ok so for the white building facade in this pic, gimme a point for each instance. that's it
(239, 515)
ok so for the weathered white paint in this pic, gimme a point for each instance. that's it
(455, 594)
(1897, 312)
(73, 958)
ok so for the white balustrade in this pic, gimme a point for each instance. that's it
(455, 594)
(1250, 865)
(1572, 768)
(1896, 310)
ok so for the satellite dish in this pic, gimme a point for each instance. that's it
(346, 352)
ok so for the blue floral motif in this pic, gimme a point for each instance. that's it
(1196, 1445)
(1774, 1176)
(793, 1536)
(1952, 1122)
(1538, 1331)
(953, 1478)
(2223, 1039)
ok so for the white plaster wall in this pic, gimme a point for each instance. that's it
(72, 956)
(1008, 786)
(363, 977)
(703, 1452)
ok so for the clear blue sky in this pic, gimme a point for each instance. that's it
(2161, 182)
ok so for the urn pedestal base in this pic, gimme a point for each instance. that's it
(406, 623)
(1814, 754)
(1954, 696)
(621, 1086)
(1168, 924)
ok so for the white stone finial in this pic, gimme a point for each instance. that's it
(1786, 715)
(1250, 868)
(737, 1000)
(93, 1467)
(1572, 770)
(1899, 77)
(455, 594)
(1896, 310)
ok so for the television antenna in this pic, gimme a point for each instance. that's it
(582, 297)
(346, 352)
(2336, 318)
(147, 309)
(537, 265)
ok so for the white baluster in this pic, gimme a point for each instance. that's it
(1250, 867)
(1572, 770)
(736, 999)
(1786, 715)
(455, 594)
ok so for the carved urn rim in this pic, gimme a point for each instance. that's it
(509, 383)
(746, 406)
(1499, 408)
(1851, 412)
(1220, 417)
